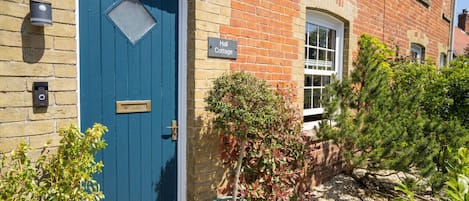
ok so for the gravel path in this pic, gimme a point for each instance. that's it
(343, 188)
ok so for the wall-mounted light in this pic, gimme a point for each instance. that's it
(41, 13)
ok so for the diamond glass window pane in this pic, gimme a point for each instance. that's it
(132, 19)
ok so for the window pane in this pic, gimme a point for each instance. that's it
(307, 99)
(313, 35)
(316, 98)
(313, 53)
(322, 55)
(308, 80)
(316, 80)
(331, 41)
(322, 37)
(326, 80)
(331, 58)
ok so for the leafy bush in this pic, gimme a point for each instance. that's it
(267, 127)
(64, 175)
(458, 184)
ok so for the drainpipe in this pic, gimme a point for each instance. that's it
(451, 32)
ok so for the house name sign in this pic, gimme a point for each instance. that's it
(222, 48)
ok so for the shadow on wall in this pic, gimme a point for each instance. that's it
(205, 154)
(327, 163)
(33, 41)
(203, 165)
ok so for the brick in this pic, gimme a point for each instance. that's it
(9, 38)
(12, 84)
(65, 123)
(64, 4)
(57, 56)
(9, 144)
(67, 71)
(39, 141)
(14, 9)
(201, 35)
(11, 54)
(25, 69)
(63, 16)
(33, 55)
(66, 98)
(207, 16)
(54, 112)
(13, 114)
(207, 26)
(20, 129)
(15, 99)
(208, 7)
(26, 40)
(202, 45)
(10, 23)
(58, 29)
(61, 43)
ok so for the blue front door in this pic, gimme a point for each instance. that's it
(128, 55)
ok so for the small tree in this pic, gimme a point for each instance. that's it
(243, 107)
(354, 121)
(274, 155)
(375, 116)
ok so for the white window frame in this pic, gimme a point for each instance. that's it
(325, 20)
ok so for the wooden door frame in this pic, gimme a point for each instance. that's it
(182, 92)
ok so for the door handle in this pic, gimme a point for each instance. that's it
(174, 130)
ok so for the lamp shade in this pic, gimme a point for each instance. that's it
(41, 13)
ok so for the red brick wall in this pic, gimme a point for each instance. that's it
(327, 162)
(390, 20)
(265, 34)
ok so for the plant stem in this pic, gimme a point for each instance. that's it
(238, 168)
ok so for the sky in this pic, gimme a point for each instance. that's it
(460, 4)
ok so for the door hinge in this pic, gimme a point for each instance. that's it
(174, 130)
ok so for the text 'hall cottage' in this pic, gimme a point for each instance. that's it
(143, 68)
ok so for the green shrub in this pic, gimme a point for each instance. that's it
(64, 175)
